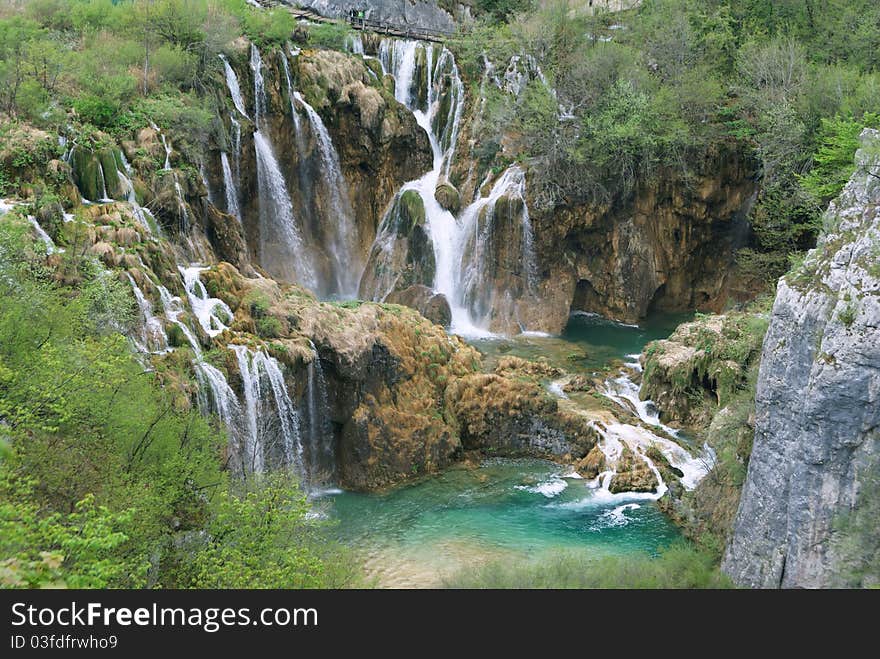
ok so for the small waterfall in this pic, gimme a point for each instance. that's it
(322, 461)
(281, 246)
(232, 84)
(181, 202)
(173, 308)
(230, 188)
(354, 44)
(461, 260)
(213, 314)
(337, 229)
(232, 176)
(222, 400)
(153, 338)
(43, 236)
(623, 391)
(273, 433)
(143, 215)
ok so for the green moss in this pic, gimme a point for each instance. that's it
(409, 211)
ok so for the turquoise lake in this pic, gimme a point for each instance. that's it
(505, 509)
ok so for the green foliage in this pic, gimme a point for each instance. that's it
(269, 519)
(268, 327)
(679, 566)
(107, 471)
(682, 79)
(833, 163)
(329, 35)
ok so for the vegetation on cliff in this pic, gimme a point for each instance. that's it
(634, 94)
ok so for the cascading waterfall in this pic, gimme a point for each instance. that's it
(354, 44)
(213, 314)
(623, 391)
(233, 86)
(461, 247)
(463, 268)
(281, 246)
(337, 229)
(230, 188)
(232, 176)
(153, 338)
(343, 241)
(273, 435)
(142, 215)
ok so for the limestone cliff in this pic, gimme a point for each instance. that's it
(817, 401)
(668, 247)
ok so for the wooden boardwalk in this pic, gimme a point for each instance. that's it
(366, 24)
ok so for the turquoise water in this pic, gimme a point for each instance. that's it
(416, 534)
(588, 342)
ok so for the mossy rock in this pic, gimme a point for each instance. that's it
(441, 118)
(448, 197)
(110, 166)
(87, 173)
(410, 212)
(376, 67)
(419, 86)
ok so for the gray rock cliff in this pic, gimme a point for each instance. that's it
(818, 400)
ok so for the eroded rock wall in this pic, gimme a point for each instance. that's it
(817, 402)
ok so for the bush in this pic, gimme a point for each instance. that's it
(268, 327)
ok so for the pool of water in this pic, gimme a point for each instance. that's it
(504, 509)
(589, 342)
(417, 534)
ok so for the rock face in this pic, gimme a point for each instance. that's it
(668, 248)
(415, 13)
(378, 143)
(817, 402)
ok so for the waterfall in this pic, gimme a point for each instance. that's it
(232, 84)
(461, 273)
(204, 306)
(461, 246)
(173, 308)
(281, 443)
(342, 241)
(230, 188)
(43, 236)
(232, 178)
(153, 338)
(222, 401)
(281, 247)
(143, 215)
(354, 44)
(337, 229)
(322, 461)
(181, 202)
(623, 391)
